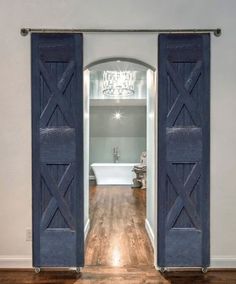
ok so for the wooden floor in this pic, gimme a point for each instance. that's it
(117, 236)
(118, 249)
(104, 275)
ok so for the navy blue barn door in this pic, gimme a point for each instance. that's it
(183, 150)
(57, 150)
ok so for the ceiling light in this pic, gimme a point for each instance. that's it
(118, 83)
(117, 115)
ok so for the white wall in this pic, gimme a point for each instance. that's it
(86, 152)
(151, 220)
(15, 106)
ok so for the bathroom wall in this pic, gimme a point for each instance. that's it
(151, 196)
(106, 132)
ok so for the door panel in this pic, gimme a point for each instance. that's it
(57, 144)
(183, 150)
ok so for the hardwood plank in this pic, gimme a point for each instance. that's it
(117, 236)
(103, 274)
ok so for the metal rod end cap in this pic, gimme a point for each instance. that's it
(24, 32)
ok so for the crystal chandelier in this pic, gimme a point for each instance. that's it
(118, 83)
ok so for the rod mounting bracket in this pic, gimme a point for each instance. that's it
(217, 32)
(24, 32)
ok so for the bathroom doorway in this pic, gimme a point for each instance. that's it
(119, 129)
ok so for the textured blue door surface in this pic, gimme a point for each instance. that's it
(57, 150)
(183, 150)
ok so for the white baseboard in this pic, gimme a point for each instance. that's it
(149, 232)
(86, 229)
(223, 262)
(15, 261)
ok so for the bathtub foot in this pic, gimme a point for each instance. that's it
(136, 183)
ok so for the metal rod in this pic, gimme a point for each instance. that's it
(26, 31)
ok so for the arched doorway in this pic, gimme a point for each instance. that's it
(115, 117)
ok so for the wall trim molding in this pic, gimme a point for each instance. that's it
(86, 229)
(223, 262)
(15, 261)
(149, 232)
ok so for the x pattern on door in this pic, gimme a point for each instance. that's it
(57, 190)
(57, 201)
(183, 189)
(183, 200)
(184, 94)
(57, 97)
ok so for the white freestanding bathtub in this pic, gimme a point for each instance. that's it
(114, 173)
